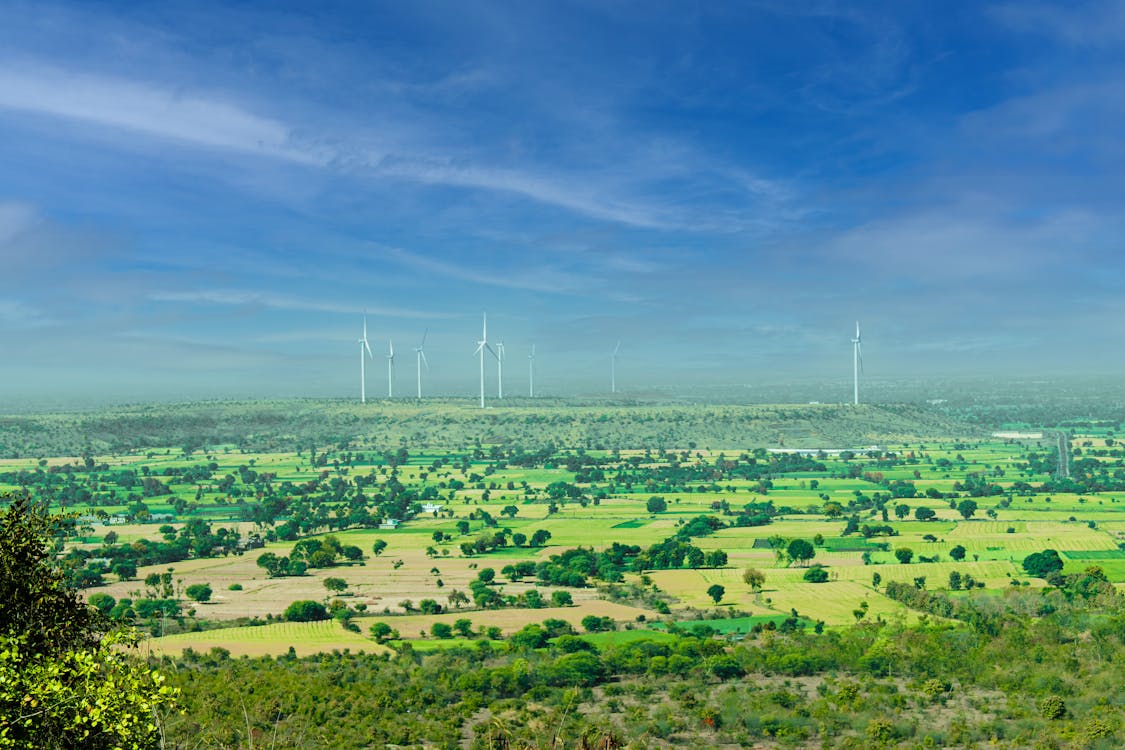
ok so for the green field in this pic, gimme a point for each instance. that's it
(485, 484)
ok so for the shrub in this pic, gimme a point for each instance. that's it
(816, 574)
(305, 610)
(1052, 707)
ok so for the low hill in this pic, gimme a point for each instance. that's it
(455, 424)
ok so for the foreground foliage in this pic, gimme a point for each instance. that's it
(1047, 678)
(66, 681)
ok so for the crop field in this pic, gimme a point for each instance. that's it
(304, 638)
(873, 510)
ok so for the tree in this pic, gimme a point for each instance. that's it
(800, 550)
(539, 537)
(305, 610)
(381, 631)
(378, 547)
(656, 504)
(1042, 564)
(125, 570)
(463, 527)
(967, 508)
(441, 630)
(754, 578)
(66, 678)
(957, 553)
(715, 558)
(716, 592)
(816, 574)
(904, 555)
(199, 592)
(488, 575)
(561, 599)
(902, 510)
(924, 514)
(339, 585)
(510, 511)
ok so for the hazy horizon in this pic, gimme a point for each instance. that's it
(199, 200)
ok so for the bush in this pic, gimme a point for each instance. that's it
(816, 574)
(725, 667)
(305, 610)
(235, 587)
(1052, 707)
(199, 592)
(441, 630)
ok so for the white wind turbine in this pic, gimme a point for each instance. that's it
(390, 369)
(500, 370)
(857, 360)
(363, 346)
(482, 345)
(531, 373)
(613, 368)
(420, 357)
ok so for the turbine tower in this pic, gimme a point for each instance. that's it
(500, 370)
(482, 345)
(613, 368)
(531, 373)
(363, 345)
(857, 360)
(420, 357)
(390, 369)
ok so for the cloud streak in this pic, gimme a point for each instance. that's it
(190, 118)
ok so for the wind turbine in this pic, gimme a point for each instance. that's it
(499, 370)
(390, 369)
(857, 359)
(481, 346)
(420, 356)
(531, 373)
(613, 368)
(363, 345)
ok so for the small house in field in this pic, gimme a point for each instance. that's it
(390, 523)
(432, 507)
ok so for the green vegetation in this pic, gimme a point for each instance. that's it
(65, 678)
(569, 570)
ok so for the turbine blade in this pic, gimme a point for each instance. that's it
(491, 351)
(425, 361)
(424, 335)
(368, 347)
(617, 348)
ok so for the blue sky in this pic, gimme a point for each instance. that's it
(200, 199)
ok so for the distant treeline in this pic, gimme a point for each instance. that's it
(291, 425)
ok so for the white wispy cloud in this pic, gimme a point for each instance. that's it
(542, 279)
(1091, 24)
(15, 219)
(235, 297)
(191, 117)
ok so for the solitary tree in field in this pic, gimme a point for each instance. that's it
(967, 508)
(199, 592)
(716, 592)
(957, 553)
(378, 547)
(338, 585)
(800, 551)
(656, 504)
(754, 578)
(904, 555)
